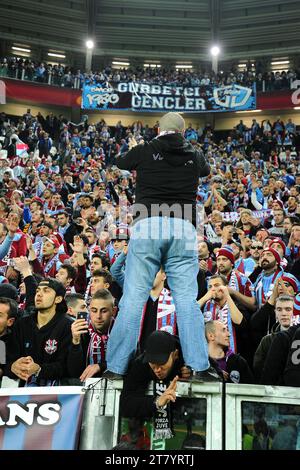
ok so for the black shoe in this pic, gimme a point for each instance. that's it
(208, 375)
(109, 375)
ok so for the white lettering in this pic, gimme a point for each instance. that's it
(156, 89)
(145, 88)
(167, 90)
(17, 411)
(200, 104)
(49, 414)
(189, 91)
(123, 87)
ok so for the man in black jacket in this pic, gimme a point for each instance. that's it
(8, 314)
(162, 363)
(168, 170)
(233, 366)
(37, 349)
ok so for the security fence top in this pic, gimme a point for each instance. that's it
(263, 391)
(184, 388)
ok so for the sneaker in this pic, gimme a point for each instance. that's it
(208, 375)
(109, 375)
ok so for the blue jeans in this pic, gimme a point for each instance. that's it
(156, 242)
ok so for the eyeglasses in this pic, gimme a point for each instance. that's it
(256, 247)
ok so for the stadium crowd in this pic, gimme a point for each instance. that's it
(66, 212)
(70, 77)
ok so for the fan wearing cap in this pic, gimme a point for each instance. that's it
(270, 261)
(279, 246)
(119, 242)
(38, 347)
(162, 363)
(168, 170)
(239, 286)
(51, 260)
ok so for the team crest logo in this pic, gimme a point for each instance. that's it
(51, 346)
(232, 96)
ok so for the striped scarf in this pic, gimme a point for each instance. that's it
(212, 311)
(264, 286)
(97, 346)
(87, 294)
(50, 264)
(166, 315)
(235, 281)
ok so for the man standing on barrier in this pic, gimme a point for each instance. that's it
(168, 170)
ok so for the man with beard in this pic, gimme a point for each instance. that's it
(86, 356)
(37, 349)
(270, 262)
(239, 286)
(241, 199)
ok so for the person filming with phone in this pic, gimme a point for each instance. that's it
(90, 334)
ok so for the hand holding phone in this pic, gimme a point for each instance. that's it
(82, 316)
(79, 327)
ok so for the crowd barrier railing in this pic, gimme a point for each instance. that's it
(205, 416)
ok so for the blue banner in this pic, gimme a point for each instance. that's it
(148, 97)
(46, 418)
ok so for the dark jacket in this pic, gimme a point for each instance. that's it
(236, 367)
(48, 346)
(277, 357)
(168, 169)
(77, 359)
(134, 401)
(262, 351)
(291, 376)
(262, 322)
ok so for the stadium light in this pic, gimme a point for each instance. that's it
(90, 44)
(215, 51)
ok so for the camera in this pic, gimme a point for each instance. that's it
(82, 316)
(11, 262)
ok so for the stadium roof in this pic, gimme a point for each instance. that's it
(156, 29)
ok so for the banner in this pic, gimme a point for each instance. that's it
(135, 96)
(234, 216)
(44, 418)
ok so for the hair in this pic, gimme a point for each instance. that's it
(103, 294)
(104, 259)
(72, 272)
(105, 274)
(13, 307)
(219, 276)
(72, 299)
(284, 298)
(39, 203)
(210, 328)
(62, 212)
(46, 224)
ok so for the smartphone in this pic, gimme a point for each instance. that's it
(82, 316)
